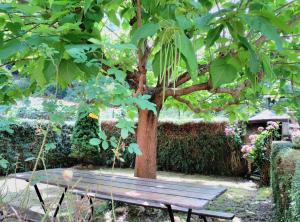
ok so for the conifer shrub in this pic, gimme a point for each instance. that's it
(84, 130)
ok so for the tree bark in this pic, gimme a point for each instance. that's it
(145, 165)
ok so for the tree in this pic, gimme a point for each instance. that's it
(206, 56)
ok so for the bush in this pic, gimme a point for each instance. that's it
(285, 181)
(189, 148)
(85, 129)
(20, 146)
(198, 148)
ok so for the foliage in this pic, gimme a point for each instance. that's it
(85, 129)
(295, 194)
(61, 41)
(258, 151)
(199, 148)
(206, 56)
(21, 147)
(285, 181)
(296, 138)
(188, 148)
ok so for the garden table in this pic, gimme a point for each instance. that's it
(152, 192)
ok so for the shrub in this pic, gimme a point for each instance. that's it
(85, 129)
(21, 145)
(189, 148)
(285, 180)
(258, 152)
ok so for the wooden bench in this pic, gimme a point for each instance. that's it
(173, 196)
(201, 213)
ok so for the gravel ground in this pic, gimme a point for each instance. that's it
(243, 197)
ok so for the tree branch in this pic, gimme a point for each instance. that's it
(183, 78)
(199, 110)
(142, 59)
(187, 90)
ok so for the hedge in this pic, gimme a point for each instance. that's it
(189, 148)
(285, 181)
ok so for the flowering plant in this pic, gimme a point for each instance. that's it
(234, 133)
(256, 150)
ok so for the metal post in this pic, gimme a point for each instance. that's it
(40, 197)
(60, 201)
(188, 219)
(92, 208)
(170, 213)
(204, 218)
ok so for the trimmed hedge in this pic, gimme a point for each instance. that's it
(285, 181)
(189, 148)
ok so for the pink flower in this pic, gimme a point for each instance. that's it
(247, 148)
(260, 129)
(273, 124)
(229, 131)
(252, 138)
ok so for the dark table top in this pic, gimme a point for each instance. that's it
(180, 194)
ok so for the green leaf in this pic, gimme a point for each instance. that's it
(222, 72)
(187, 50)
(134, 148)
(67, 72)
(105, 145)
(94, 141)
(146, 30)
(183, 22)
(37, 72)
(119, 74)
(124, 133)
(11, 48)
(102, 135)
(253, 60)
(49, 147)
(213, 35)
(113, 141)
(143, 102)
(3, 163)
(266, 28)
(86, 5)
(267, 67)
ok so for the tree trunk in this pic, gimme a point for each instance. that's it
(145, 165)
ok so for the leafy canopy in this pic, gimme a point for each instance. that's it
(244, 48)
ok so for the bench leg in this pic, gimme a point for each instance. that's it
(40, 197)
(60, 202)
(171, 215)
(203, 218)
(188, 219)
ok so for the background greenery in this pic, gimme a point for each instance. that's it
(285, 180)
(190, 148)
